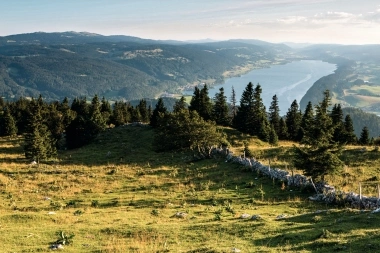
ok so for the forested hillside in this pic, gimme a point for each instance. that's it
(59, 65)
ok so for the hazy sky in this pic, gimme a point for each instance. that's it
(317, 21)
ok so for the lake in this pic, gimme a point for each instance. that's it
(289, 81)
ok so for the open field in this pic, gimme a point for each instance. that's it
(118, 195)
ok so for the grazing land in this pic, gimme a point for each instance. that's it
(118, 195)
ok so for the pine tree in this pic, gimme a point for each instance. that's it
(283, 134)
(364, 136)
(187, 130)
(180, 105)
(293, 121)
(274, 115)
(39, 144)
(220, 109)
(96, 117)
(9, 124)
(143, 111)
(80, 106)
(244, 119)
(234, 108)
(349, 132)
(307, 122)
(261, 127)
(159, 111)
(105, 110)
(273, 138)
(195, 102)
(320, 154)
(337, 121)
(20, 111)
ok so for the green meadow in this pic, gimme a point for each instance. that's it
(119, 195)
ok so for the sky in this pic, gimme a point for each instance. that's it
(302, 21)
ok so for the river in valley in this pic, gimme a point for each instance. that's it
(289, 81)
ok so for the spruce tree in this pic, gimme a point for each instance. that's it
(159, 111)
(234, 108)
(337, 121)
(293, 121)
(195, 102)
(180, 105)
(244, 119)
(9, 124)
(320, 154)
(273, 138)
(274, 114)
(349, 132)
(39, 144)
(261, 127)
(283, 134)
(220, 109)
(307, 122)
(364, 136)
(80, 106)
(97, 121)
(187, 130)
(105, 110)
(143, 111)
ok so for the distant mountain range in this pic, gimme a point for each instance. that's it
(72, 64)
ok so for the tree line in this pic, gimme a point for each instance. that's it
(47, 127)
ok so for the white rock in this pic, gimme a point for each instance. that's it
(236, 250)
(245, 216)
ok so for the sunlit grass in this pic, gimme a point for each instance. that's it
(118, 195)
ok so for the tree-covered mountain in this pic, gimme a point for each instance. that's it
(71, 64)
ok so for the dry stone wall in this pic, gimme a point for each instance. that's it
(324, 192)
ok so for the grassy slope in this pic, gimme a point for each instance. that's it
(127, 196)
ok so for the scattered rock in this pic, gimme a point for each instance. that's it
(245, 216)
(181, 215)
(376, 210)
(256, 217)
(56, 247)
(281, 216)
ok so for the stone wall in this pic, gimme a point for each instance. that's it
(324, 192)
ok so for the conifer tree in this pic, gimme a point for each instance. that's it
(261, 127)
(97, 121)
(274, 114)
(206, 104)
(195, 102)
(39, 144)
(9, 124)
(320, 155)
(364, 136)
(233, 103)
(105, 110)
(307, 122)
(283, 134)
(159, 111)
(180, 105)
(220, 109)
(293, 121)
(187, 130)
(244, 119)
(349, 132)
(20, 111)
(337, 121)
(273, 138)
(143, 111)
(135, 114)
(80, 106)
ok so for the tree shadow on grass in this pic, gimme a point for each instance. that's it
(327, 232)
